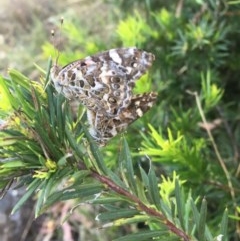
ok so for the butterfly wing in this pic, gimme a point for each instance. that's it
(103, 82)
(103, 129)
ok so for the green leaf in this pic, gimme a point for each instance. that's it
(179, 202)
(40, 199)
(153, 188)
(224, 226)
(131, 31)
(134, 219)
(72, 141)
(114, 215)
(143, 236)
(60, 115)
(83, 192)
(126, 160)
(202, 221)
(36, 183)
(6, 99)
(49, 145)
(107, 200)
(144, 177)
(116, 179)
(96, 153)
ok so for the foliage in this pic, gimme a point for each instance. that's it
(45, 149)
(165, 174)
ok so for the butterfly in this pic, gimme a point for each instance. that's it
(104, 84)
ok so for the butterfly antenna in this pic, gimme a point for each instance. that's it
(57, 52)
(54, 44)
(60, 38)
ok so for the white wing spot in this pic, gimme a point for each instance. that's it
(115, 56)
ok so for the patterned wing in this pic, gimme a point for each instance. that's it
(103, 129)
(103, 82)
